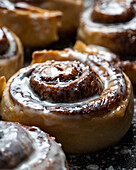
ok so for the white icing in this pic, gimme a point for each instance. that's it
(34, 105)
(43, 155)
(105, 28)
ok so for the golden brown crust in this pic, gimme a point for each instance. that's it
(40, 28)
(2, 85)
(66, 129)
(71, 10)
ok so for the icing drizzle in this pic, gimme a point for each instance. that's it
(114, 89)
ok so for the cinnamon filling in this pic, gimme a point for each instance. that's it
(65, 81)
(112, 11)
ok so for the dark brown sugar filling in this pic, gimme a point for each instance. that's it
(65, 81)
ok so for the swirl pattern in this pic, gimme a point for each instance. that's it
(66, 81)
(112, 78)
(110, 24)
(93, 90)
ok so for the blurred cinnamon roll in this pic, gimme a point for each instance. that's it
(71, 10)
(129, 68)
(11, 53)
(34, 26)
(112, 24)
(83, 100)
(24, 147)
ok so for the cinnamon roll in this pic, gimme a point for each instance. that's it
(83, 100)
(11, 53)
(71, 10)
(24, 147)
(112, 24)
(35, 26)
(128, 66)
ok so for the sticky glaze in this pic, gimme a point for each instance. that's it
(114, 89)
(64, 81)
(38, 150)
(15, 145)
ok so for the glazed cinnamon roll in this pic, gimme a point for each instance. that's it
(112, 24)
(24, 147)
(83, 100)
(71, 10)
(35, 26)
(11, 53)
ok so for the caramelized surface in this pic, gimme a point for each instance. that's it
(65, 81)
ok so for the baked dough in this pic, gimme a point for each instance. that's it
(25, 147)
(112, 24)
(83, 125)
(34, 26)
(2, 85)
(11, 53)
(71, 10)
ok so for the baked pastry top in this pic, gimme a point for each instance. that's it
(74, 95)
(110, 23)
